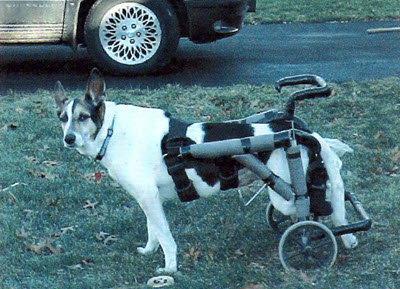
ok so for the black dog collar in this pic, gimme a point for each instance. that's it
(104, 146)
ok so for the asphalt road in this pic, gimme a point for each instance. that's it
(339, 52)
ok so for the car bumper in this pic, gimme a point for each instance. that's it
(210, 20)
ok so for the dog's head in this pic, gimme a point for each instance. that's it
(82, 117)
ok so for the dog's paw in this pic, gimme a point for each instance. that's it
(350, 241)
(167, 270)
(146, 251)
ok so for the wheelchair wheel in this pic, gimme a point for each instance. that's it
(277, 221)
(307, 245)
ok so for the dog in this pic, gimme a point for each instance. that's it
(128, 141)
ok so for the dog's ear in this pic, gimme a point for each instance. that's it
(60, 95)
(96, 87)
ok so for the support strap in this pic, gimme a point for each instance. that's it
(228, 173)
(171, 144)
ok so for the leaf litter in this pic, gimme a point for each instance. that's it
(105, 238)
(43, 244)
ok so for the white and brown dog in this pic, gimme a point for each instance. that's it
(128, 141)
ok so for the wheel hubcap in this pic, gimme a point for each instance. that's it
(130, 33)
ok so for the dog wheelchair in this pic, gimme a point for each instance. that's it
(306, 243)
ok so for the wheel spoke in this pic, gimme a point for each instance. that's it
(323, 244)
(318, 259)
(294, 238)
(293, 255)
(307, 245)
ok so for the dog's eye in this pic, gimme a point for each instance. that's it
(64, 118)
(83, 117)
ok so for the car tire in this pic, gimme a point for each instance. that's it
(131, 36)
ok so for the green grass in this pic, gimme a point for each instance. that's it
(286, 11)
(221, 243)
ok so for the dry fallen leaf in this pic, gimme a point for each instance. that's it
(7, 190)
(31, 159)
(41, 112)
(51, 163)
(395, 155)
(43, 244)
(341, 258)
(28, 212)
(257, 265)
(76, 267)
(36, 248)
(239, 252)
(22, 233)
(87, 261)
(52, 202)
(101, 236)
(56, 234)
(42, 174)
(306, 278)
(378, 135)
(192, 253)
(67, 229)
(98, 176)
(94, 177)
(54, 250)
(89, 205)
(106, 238)
(110, 238)
(45, 148)
(19, 110)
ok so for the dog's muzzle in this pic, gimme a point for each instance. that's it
(70, 139)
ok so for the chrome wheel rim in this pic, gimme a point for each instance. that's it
(130, 33)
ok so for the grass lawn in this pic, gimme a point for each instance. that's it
(68, 225)
(286, 11)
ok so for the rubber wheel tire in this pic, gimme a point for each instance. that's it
(167, 44)
(307, 245)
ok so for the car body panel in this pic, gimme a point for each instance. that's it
(210, 20)
(31, 21)
(71, 21)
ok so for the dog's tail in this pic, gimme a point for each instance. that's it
(320, 89)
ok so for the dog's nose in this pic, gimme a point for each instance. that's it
(70, 138)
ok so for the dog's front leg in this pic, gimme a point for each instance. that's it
(152, 242)
(141, 184)
(159, 232)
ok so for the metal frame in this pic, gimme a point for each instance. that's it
(242, 151)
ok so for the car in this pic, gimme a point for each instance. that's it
(121, 36)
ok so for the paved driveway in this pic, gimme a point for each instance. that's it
(258, 54)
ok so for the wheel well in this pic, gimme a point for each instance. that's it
(83, 12)
(181, 13)
(178, 5)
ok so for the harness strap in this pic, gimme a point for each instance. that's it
(317, 177)
(175, 139)
(228, 173)
(183, 185)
